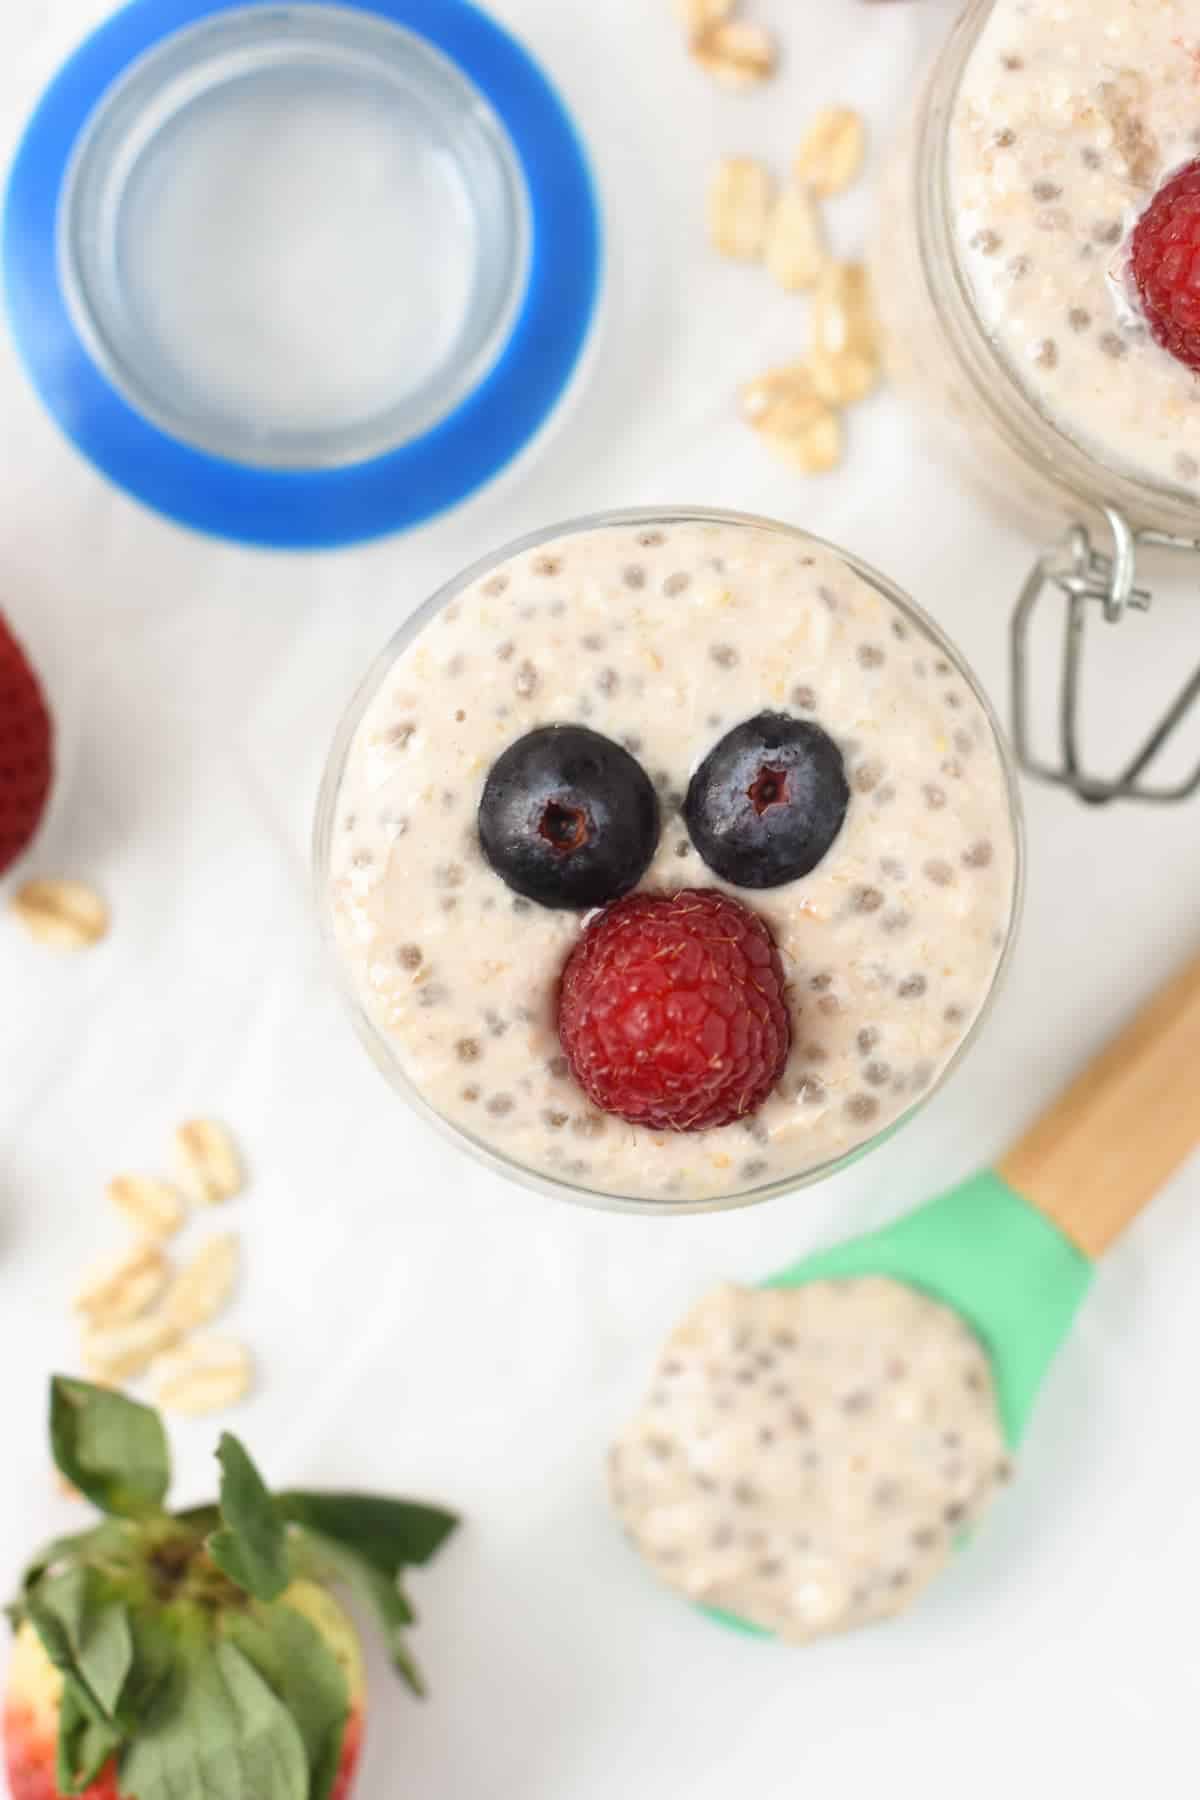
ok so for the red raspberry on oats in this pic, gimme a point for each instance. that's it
(672, 1011)
(1165, 259)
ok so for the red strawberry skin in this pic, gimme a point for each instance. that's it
(672, 1010)
(31, 1726)
(30, 1718)
(26, 751)
(351, 1756)
(30, 1737)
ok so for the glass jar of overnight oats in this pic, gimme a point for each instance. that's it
(658, 636)
(1012, 318)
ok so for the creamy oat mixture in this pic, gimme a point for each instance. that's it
(664, 639)
(807, 1458)
(1069, 118)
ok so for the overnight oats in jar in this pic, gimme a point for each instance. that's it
(669, 859)
(1035, 271)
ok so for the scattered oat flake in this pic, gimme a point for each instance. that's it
(736, 52)
(64, 915)
(135, 1298)
(65, 1488)
(121, 1352)
(843, 317)
(845, 336)
(783, 400)
(203, 1288)
(153, 1206)
(795, 250)
(739, 207)
(207, 1163)
(698, 15)
(815, 450)
(116, 1289)
(205, 1375)
(845, 377)
(831, 155)
(789, 415)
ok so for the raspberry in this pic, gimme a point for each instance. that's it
(672, 1013)
(1166, 264)
(25, 751)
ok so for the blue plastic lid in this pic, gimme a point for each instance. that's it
(300, 275)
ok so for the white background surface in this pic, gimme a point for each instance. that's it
(422, 1325)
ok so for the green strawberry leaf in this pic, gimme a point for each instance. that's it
(215, 1731)
(155, 1656)
(85, 1631)
(105, 1544)
(200, 1519)
(252, 1548)
(97, 1626)
(289, 1652)
(110, 1448)
(391, 1534)
(87, 1733)
(365, 1543)
(85, 1742)
(406, 1666)
(328, 1561)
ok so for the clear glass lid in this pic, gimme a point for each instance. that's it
(294, 239)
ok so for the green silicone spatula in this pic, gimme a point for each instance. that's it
(1013, 1249)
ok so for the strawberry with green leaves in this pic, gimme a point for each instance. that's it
(199, 1655)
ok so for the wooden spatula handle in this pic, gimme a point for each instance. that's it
(1123, 1128)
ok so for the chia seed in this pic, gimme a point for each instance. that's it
(867, 899)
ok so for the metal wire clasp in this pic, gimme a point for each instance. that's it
(1085, 576)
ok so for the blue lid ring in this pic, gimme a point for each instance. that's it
(309, 507)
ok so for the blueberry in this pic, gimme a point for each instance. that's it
(568, 818)
(768, 801)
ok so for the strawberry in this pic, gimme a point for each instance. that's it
(26, 751)
(198, 1655)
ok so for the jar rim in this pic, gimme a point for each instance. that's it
(1049, 450)
(326, 812)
